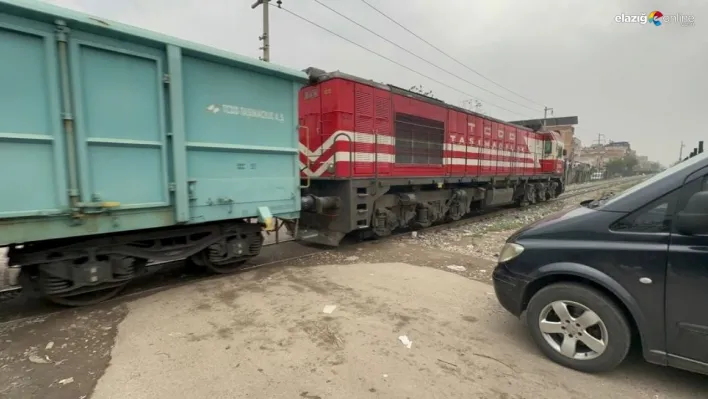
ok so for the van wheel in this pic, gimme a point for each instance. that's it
(578, 327)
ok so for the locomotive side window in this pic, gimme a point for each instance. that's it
(548, 146)
(419, 140)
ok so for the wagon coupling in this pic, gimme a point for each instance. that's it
(313, 203)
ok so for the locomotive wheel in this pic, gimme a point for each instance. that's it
(455, 213)
(531, 195)
(383, 223)
(540, 194)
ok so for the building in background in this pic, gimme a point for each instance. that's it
(618, 149)
(600, 154)
(594, 155)
(577, 147)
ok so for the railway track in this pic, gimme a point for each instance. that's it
(171, 274)
(501, 211)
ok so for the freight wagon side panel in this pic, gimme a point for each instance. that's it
(120, 121)
(241, 141)
(106, 128)
(111, 92)
(32, 170)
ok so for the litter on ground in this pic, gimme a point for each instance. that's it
(405, 341)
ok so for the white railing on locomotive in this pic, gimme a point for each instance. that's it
(309, 161)
(332, 168)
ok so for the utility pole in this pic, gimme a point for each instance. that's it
(266, 27)
(681, 151)
(545, 114)
(601, 153)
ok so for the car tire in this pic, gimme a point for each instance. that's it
(612, 323)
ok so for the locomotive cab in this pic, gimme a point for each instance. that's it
(553, 153)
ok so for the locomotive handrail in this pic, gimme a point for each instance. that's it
(467, 154)
(351, 164)
(376, 161)
(307, 145)
(448, 170)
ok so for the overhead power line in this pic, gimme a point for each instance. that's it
(448, 55)
(421, 58)
(393, 61)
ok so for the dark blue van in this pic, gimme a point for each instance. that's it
(593, 280)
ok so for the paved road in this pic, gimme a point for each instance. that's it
(267, 336)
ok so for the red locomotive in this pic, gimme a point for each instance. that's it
(376, 158)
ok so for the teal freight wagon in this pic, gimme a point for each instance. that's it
(119, 146)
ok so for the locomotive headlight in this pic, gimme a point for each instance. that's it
(510, 251)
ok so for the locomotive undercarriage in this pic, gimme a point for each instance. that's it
(379, 209)
(78, 272)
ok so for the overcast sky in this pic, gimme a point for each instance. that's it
(630, 82)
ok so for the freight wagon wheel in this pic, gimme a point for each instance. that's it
(87, 298)
(217, 259)
(220, 267)
(125, 270)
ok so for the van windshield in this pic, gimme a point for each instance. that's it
(668, 172)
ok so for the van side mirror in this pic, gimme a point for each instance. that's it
(694, 218)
